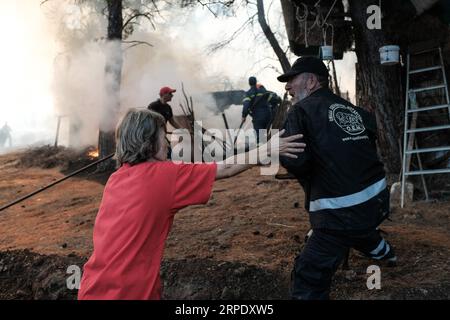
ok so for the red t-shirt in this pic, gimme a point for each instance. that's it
(134, 219)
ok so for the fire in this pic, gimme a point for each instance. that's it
(93, 154)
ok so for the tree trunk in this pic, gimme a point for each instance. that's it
(271, 37)
(113, 74)
(379, 87)
(337, 90)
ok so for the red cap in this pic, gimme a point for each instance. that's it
(166, 90)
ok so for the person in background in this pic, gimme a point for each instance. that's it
(273, 100)
(255, 104)
(162, 106)
(5, 135)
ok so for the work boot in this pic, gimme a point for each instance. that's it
(390, 258)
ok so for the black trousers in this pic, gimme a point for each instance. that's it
(323, 253)
(261, 123)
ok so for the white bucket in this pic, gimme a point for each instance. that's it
(327, 52)
(389, 55)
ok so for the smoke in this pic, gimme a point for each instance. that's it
(54, 61)
(167, 63)
(53, 65)
(26, 56)
(87, 97)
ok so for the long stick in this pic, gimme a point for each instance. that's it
(185, 96)
(240, 127)
(192, 106)
(225, 121)
(54, 183)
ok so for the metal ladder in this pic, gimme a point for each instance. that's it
(410, 146)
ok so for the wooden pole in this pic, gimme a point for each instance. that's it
(239, 130)
(57, 131)
(225, 121)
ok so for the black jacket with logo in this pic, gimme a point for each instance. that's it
(343, 179)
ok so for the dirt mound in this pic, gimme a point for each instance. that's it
(27, 275)
(68, 160)
(194, 279)
(47, 157)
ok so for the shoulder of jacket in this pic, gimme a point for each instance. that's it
(304, 105)
(298, 109)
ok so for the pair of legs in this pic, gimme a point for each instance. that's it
(261, 124)
(324, 252)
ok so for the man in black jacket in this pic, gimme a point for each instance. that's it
(344, 181)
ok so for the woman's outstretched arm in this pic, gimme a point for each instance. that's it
(286, 147)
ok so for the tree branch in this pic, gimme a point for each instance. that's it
(220, 45)
(136, 15)
(136, 43)
(285, 64)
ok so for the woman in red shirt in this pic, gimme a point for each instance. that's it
(138, 206)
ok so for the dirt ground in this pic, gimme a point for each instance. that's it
(241, 245)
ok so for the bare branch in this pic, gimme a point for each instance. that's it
(133, 17)
(207, 7)
(220, 45)
(136, 43)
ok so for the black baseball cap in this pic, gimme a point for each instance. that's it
(305, 64)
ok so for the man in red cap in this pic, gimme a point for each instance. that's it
(162, 107)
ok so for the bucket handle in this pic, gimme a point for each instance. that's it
(324, 33)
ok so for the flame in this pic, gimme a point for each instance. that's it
(93, 154)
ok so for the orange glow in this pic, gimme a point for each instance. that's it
(93, 154)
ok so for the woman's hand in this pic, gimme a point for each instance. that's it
(287, 147)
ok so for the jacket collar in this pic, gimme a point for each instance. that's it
(321, 91)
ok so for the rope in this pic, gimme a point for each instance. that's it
(319, 21)
(329, 12)
(303, 19)
(324, 30)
